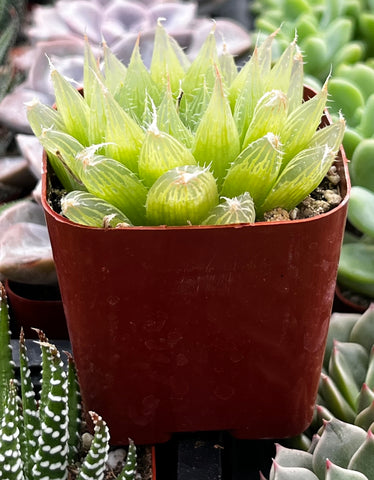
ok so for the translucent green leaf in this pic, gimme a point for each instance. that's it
(112, 181)
(168, 120)
(191, 111)
(182, 196)
(91, 71)
(202, 68)
(65, 148)
(300, 177)
(42, 117)
(87, 209)
(279, 76)
(239, 209)
(165, 66)
(114, 71)
(217, 138)
(137, 84)
(255, 170)
(248, 96)
(123, 135)
(269, 115)
(72, 106)
(302, 123)
(262, 55)
(228, 66)
(161, 152)
(332, 135)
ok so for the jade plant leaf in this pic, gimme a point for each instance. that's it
(361, 210)
(356, 268)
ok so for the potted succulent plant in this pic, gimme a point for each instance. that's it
(45, 438)
(177, 290)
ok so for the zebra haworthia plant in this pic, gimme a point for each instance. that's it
(41, 439)
(172, 144)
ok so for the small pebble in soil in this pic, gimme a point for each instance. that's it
(116, 457)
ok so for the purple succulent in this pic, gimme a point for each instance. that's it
(58, 31)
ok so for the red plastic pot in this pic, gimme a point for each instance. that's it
(29, 309)
(199, 328)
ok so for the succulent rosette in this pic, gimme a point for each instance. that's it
(181, 142)
(57, 31)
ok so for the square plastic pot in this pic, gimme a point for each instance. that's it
(177, 329)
